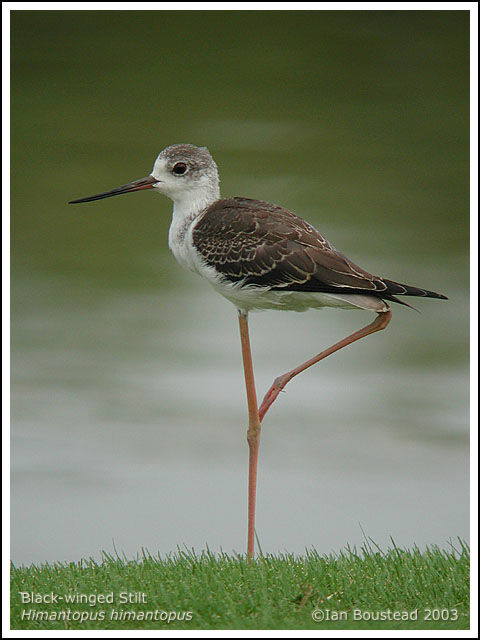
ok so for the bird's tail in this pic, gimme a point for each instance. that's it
(397, 289)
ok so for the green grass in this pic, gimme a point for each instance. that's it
(274, 592)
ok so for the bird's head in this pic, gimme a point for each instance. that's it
(182, 172)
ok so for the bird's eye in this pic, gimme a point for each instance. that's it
(179, 169)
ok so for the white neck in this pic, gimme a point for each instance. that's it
(190, 203)
(187, 206)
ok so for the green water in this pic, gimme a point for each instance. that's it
(127, 389)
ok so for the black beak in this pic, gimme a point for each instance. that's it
(136, 185)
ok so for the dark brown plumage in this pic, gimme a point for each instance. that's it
(265, 245)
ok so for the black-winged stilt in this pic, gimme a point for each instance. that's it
(259, 256)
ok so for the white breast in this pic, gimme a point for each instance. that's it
(186, 214)
(179, 241)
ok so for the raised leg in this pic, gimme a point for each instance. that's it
(253, 433)
(378, 324)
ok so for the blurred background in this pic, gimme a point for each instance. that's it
(128, 407)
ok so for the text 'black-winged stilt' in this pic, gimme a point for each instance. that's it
(259, 256)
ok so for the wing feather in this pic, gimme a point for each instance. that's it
(260, 244)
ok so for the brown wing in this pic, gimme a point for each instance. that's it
(261, 244)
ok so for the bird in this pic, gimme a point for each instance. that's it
(260, 256)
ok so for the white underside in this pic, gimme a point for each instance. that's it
(250, 298)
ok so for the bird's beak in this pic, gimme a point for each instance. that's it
(136, 185)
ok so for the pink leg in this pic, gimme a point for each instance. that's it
(253, 433)
(380, 322)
